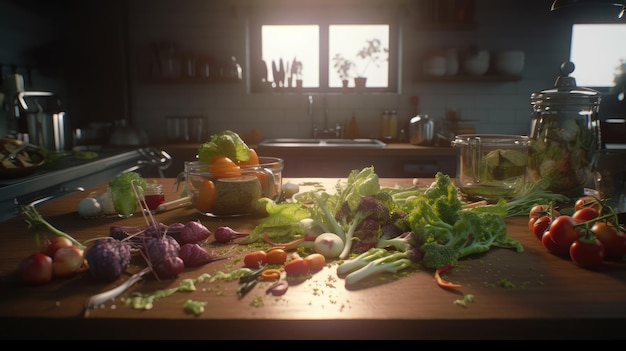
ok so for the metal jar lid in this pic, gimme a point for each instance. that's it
(565, 92)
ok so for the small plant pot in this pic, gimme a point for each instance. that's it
(359, 83)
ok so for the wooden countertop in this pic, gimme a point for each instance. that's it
(551, 297)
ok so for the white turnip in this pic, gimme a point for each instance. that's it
(328, 244)
(194, 255)
(227, 234)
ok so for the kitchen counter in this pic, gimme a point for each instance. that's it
(545, 296)
(394, 160)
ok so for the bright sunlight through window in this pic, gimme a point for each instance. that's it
(292, 52)
(588, 40)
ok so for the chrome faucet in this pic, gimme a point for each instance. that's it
(325, 132)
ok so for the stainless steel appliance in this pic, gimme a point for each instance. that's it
(41, 115)
(74, 174)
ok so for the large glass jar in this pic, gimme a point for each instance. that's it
(564, 135)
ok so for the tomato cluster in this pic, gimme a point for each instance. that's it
(589, 236)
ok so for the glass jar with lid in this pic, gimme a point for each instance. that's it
(564, 135)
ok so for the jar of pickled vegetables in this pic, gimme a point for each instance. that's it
(564, 135)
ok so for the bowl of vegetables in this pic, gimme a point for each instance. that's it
(491, 166)
(229, 178)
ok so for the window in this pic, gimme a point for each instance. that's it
(599, 54)
(307, 54)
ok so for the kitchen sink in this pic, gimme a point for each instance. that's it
(324, 143)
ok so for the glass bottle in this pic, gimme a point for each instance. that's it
(564, 135)
(154, 196)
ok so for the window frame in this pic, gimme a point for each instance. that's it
(323, 17)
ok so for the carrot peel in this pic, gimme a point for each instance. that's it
(442, 282)
(292, 245)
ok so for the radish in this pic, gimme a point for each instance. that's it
(195, 255)
(226, 234)
(194, 232)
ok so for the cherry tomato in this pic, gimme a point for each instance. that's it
(587, 251)
(206, 196)
(585, 214)
(552, 247)
(562, 230)
(276, 256)
(540, 226)
(297, 267)
(541, 210)
(586, 201)
(614, 241)
(315, 261)
(255, 259)
(252, 161)
(531, 221)
(223, 167)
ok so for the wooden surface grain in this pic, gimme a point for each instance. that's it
(531, 295)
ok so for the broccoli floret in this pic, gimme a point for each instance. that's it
(435, 255)
(472, 233)
(368, 207)
(366, 235)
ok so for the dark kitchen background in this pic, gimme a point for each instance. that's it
(93, 54)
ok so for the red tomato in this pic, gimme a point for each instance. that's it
(585, 214)
(552, 247)
(562, 230)
(297, 267)
(223, 167)
(276, 256)
(587, 251)
(531, 221)
(541, 210)
(255, 259)
(614, 241)
(586, 201)
(541, 225)
(315, 261)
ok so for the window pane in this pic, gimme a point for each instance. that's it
(347, 41)
(593, 70)
(289, 42)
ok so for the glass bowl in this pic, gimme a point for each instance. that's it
(491, 166)
(233, 193)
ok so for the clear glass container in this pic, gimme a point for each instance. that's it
(564, 135)
(490, 166)
(154, 196)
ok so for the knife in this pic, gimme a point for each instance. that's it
(99, 299)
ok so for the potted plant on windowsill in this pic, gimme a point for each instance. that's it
(344, 68)
(372, 53)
